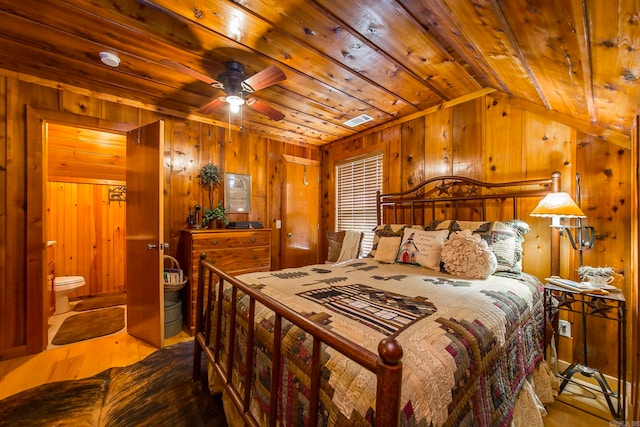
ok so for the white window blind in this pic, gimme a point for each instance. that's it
(356, 184)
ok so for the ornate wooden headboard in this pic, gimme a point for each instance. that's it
(455, 197)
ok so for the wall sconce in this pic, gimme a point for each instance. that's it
(560, 205)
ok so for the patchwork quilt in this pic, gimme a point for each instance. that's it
(468, 344)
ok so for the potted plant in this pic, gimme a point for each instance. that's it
(210, 176)
(216, 216)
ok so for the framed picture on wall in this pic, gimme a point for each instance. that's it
(237, 193)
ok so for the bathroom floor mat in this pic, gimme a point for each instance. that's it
(101, 301)
(92, 324)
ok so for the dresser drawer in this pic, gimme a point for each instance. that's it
(235, 259)
(233, 251)
(231, 240)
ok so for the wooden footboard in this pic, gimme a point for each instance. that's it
(386, 365)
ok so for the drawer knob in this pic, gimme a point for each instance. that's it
(214, 242)
(255, 257)
(252, 240)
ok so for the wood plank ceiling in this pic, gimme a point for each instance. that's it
(386, 59)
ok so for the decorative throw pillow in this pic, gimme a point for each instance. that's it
(387, 249)
(334, 239)
(503, 237)
(422, 247)
(468, 255)
(505, 240)
(386, 230)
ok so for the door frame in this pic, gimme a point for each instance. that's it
(37, 121)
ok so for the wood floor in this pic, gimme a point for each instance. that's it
(87, 358)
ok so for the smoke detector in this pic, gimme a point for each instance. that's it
(109, 58)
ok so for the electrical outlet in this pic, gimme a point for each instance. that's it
(564, 328)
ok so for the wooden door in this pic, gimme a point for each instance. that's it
(144, 259)
(301, 212)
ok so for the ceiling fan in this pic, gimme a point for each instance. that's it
(236, 86)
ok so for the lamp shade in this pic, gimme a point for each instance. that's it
(558, 205)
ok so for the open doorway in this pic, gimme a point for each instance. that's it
(40, 295)
(85, 226)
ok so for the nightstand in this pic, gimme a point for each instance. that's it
(610, 307)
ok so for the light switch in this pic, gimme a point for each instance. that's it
(278, 223)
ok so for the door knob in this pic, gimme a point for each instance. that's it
(290, 235)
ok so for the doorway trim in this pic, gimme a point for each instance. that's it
(37, 121)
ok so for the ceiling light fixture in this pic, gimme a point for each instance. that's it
(235, 102)
(109, 58)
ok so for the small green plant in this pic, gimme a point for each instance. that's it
(216, 214)
(210, 176)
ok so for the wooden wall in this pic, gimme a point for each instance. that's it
(493, 140)
(90, 235)
(487, 138)
(188, 144)
(89, 229)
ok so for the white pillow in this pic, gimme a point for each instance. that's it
(468, 255)
(422, 247)
(387, 249)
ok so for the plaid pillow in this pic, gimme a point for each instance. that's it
(504, 238)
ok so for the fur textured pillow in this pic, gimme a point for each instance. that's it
(468, 255)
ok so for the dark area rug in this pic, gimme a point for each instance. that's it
(156, 391)
(92, 324)
(101, 301)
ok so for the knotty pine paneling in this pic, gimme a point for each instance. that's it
(188, 145)
(607, 204)
(90, 235)
(82, 155)
(493, 140)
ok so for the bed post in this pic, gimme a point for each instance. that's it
(555, 232)
(389, 386)
(197, 349)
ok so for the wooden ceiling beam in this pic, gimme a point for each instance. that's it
(440, 23)
(513, 42)
(260, 36)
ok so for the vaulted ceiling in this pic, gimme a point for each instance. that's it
(387, 59)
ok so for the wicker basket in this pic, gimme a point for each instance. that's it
(173, 264)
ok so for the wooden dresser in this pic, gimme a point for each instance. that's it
(233, 251)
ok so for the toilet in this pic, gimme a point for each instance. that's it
(63, 286)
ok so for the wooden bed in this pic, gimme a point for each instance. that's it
(227, 305)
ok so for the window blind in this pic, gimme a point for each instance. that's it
(357, 182)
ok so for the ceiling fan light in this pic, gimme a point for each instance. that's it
(235, 100)
(234, 103)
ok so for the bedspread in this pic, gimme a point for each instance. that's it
(468, 344)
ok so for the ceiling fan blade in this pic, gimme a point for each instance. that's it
(263, 108)
(191, 72)
(265, 78)
(212, 105)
